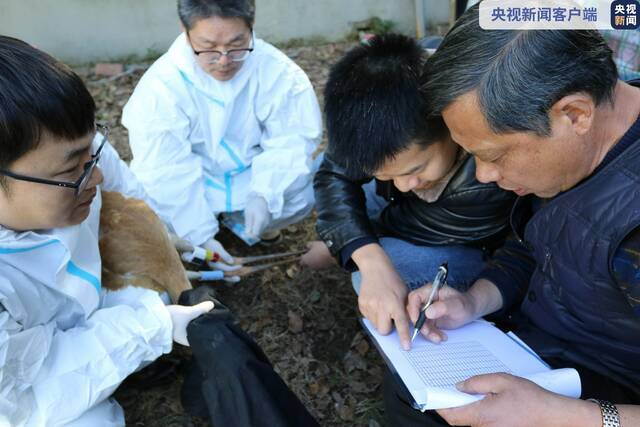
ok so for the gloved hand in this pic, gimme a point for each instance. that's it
(225, 259)
(214, 246)
(256, 216)
(181, 315)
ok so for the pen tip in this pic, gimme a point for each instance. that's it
(415, 334)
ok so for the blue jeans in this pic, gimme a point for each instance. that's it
(418, 265)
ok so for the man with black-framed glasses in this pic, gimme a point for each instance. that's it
(59, 330)
(224, 123)
(66, 342)
(80, 184)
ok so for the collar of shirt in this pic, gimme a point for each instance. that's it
(432, 194)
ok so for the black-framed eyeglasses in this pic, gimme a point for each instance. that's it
(81, 183)
(214, 56)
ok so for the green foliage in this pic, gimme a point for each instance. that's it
(372, 26)
(300, 42)
(379, 26)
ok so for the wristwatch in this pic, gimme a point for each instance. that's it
(609, 412)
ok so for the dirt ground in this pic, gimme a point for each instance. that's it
(305, 321)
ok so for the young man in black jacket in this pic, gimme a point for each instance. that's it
(424, 206)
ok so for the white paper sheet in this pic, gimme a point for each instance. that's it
(430, 371)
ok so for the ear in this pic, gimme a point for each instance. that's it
(576, 110)
(182, 28)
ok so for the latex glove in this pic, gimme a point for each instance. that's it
(215, 246)
(181, 315)
(256, 216)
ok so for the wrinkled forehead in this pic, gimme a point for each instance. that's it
(468, 125)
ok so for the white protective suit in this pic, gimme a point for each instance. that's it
(201, 146)
(66, 344)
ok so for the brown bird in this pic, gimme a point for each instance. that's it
(136, 249)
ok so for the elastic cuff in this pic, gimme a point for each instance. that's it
(509, 291)
(345, 253)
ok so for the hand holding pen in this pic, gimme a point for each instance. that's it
(438, 282)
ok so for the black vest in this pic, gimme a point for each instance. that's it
(572, 294)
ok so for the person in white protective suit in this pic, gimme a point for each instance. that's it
(224, 122)
(66, 343)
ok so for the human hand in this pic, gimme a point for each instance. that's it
(383, 294)
(450, 309)
(517, 402)
(256, 216)
(318, 256)
(227, 260)
(214, 246)
(453, 309)
(181, 315)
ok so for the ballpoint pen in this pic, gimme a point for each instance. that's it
(440, 279)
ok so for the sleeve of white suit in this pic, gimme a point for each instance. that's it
(289, 111)
(51, 376)
(163, 161)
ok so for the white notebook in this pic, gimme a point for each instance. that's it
(430, 371)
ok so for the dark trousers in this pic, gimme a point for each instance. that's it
(230, 380)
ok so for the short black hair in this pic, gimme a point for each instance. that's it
(373, 105)
(191, 11)
(38, 94)
(518, 74)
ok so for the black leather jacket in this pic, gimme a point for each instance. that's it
(468, 212)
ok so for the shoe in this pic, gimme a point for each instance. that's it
(271, 237)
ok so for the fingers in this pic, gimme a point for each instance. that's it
(429, 330)
(383, 324)
(181, 315)
(415, 303)
(485, 384)
(402, 326)
(480, 384)
(416, 300)
(224, 267)
(432, 333)
(214, 246)
(202, 308)
(461, 416)
(437, 310)
(384, 320)
(224, 256)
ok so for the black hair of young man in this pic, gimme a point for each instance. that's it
(373, 105)
(38, 95)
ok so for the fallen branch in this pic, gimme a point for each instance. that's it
(130, 70)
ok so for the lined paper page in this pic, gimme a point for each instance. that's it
(448, 363)
(430, 371)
